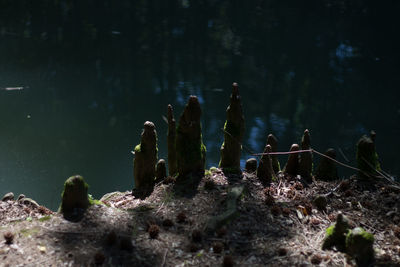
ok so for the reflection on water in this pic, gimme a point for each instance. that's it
(94, 72)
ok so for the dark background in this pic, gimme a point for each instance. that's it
(94, 71)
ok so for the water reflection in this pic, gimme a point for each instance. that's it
(97, 70)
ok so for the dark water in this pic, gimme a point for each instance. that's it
(94, 72)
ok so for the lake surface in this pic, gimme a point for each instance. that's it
(92, 73)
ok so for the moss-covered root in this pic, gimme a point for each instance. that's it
(336, 234)
(292, 165)
(265, 172)
(305, 158)
(74, 197)
(233, 133)
(367, 158)
(327, 170)
(273, 142)
(231, 211)
(359, 245)
(144, 163)
(171, 136)
(190, 150)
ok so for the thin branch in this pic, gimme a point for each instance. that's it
(283, 153)
(343, 155)
(383, 175)
(338, 162)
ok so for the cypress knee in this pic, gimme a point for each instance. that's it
(305, 161)
(233, 133)
(171, 136)
(273, 142)
(367, 158)
(144, 164)
(292, 165)
(190, 150)
(75, 199)
(265, 171)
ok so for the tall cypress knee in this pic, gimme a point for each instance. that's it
(367, 158)
(144, 163)
(190, 150)
(75, 199)
(305, 161)
(265, 171)
(233, 133)
(292, 165)
(273, 142)
(171, 136)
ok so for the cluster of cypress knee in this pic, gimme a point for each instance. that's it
(187, 154)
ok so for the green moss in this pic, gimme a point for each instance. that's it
(213, 169)
(69, 183)
(359, 244)
(277, 164)
(45, 218)
(137, 148)
(93, 201)
(29, 232)
(368, 236)
(329, 231)
(336, 234)
(363, 235)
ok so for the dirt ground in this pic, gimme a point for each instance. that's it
(275, 226)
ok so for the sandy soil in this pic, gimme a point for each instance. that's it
(275, 226)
